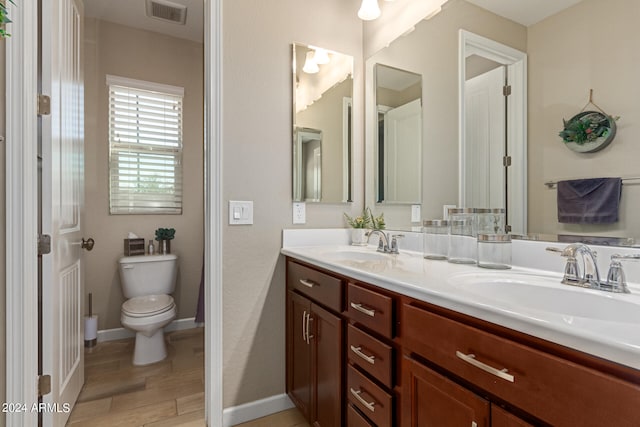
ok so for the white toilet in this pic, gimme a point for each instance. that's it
(147, 282)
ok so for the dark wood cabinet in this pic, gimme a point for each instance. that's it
(315, 338)
(433, 400)
(359, 355)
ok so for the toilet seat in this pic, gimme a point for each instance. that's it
(148, 305)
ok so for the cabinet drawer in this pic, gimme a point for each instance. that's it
(325, 289)
(355, 419)
(555, 390)
(370, 354)
(371, 309)
(370, 399)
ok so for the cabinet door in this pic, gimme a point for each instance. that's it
(326, 361)
(502, 418)
(429, 399)
(298, 353)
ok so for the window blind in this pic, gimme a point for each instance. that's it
(145, 151)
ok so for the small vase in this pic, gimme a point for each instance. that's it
(165, 247)
(359, 236)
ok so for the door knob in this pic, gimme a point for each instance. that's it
(88, 244)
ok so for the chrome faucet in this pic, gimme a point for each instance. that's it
(590, 276)
(383, 241)
(384, 245)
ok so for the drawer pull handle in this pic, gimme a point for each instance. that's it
(368, 405)
(471, 359)
(361, 309)
(308, 283)
(358, 351)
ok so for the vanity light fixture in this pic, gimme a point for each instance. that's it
(321, 56)
(310, 66)
(369, 10)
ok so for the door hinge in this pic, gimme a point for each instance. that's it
(506, 161)
(44, 244)
(44, 385)
(507, 228)
(44, 105)
(506, 90)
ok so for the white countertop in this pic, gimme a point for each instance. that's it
(432, 281)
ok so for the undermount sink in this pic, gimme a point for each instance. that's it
(545, 293)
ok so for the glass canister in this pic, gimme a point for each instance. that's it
(435, 238)
(490, 221)
(459, 214)
(494, 251)
(462, 244)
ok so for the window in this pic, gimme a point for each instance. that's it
(145, 147)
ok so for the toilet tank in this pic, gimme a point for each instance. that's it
(148, 275)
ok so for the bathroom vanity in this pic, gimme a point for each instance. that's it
(383, 340)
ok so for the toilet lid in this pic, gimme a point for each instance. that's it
(147, 305)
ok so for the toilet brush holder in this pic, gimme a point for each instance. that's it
(90, 331)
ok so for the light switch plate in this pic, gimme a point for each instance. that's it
(299, 213)
(415, 213)
(240, 212)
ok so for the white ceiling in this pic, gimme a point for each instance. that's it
(525, 12)
(132, 13)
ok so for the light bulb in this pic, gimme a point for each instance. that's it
(321, 56)
(369, 10)
(310, 67)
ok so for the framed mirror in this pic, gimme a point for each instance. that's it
(322, 125)
(398, 136)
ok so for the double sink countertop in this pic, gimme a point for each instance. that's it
(528, 300)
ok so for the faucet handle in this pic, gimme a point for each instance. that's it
(393, 246)
(616, 280)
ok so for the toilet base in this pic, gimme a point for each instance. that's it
(149, 349)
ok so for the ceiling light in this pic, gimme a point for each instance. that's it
(321, 56)
(369, 10)
(310, 66)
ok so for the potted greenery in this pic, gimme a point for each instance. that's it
(164, 236)
(4, 19)
(360, 225)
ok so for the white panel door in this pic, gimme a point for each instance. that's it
(402, 153)
(485, 118)
(62, 206)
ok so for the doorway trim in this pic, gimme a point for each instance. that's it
(470, 43)
(22, 220)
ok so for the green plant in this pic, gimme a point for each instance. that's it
(165, 234)
(362, 221)
(586, 128)
(4, 19)
(377, 221)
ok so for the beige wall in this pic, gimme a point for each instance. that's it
(257, 166)
(127, 52)
(432, 50)
(563, 65)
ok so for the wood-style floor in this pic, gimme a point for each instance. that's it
(169, 393)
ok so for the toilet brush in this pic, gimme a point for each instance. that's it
(90, 326)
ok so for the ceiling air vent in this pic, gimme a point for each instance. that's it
(167, 11)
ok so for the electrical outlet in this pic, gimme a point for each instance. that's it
(299, 213)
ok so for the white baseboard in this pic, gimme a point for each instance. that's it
(257, 409)
(122, 333)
